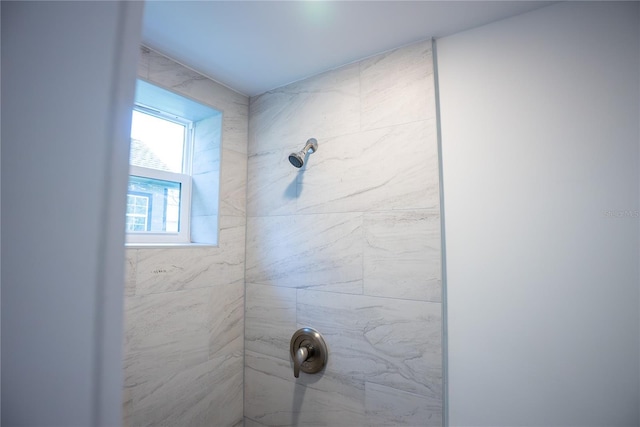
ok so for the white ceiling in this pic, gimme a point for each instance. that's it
(255, 46)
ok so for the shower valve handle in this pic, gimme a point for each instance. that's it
(308, 351)
(301, 356)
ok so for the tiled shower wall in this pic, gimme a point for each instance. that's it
(184, 306)
(349, 244)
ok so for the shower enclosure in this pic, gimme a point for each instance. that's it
(349, 245)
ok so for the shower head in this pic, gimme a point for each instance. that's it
(297, 159)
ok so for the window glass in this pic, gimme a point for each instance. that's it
(156, 143)
(161, 210)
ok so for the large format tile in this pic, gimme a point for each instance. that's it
(396, 343)
(272, 183)
(130, 269)
(143, 62)
(398, 87)
(235, 130)
(235, 121)
(142, 369)
(171, 269)
(164, 335)
(322, 252)
(384, 169)
(248, 422)
(162, 389)
(219, 182)
(204, 229)
(233, 183)
(169, 323)
(206, 145)
(166, 270)
(207, 393)
(274, 397)
(226, 319)
(178, 78)
(270, 317)
(319, 107)
(390, 407)
(127, 407)
(166, 72)
(171, 339)
(227, 391)
(402, 255)
(205, 193)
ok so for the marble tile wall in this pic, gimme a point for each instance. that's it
(350, 245)
(184, 306)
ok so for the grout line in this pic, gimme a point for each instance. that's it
(431, 211)
(445, 342)
(244, 271)
(346, 294)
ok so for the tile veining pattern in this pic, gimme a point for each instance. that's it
(184, 321)
(349, 245)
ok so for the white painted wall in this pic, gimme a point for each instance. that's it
(540, 161)
(68, 73)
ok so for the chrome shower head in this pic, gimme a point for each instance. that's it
(297, 159)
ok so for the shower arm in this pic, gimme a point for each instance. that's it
(312, 144)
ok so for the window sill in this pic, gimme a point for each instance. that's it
(168, 245)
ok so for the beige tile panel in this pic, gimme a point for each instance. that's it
(226, 319)
(130, 269)
(143, 63)
(320, 107)
(274, 397)
(397, 87)
(270, 317)
(248, 422)
(402, 255)
(384, 169)
(207, 393)
(233, 183)
(174, 76)
(390, 407)
(321, 252)
(391, 342)
(272, 183)
(172, 338)
(172, 269)
(168, 324)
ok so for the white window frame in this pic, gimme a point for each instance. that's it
(184, 179)
(135, 215)
(184, 234)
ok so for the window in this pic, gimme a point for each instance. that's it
(138, 211)
(166, 129)
(160, 165)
